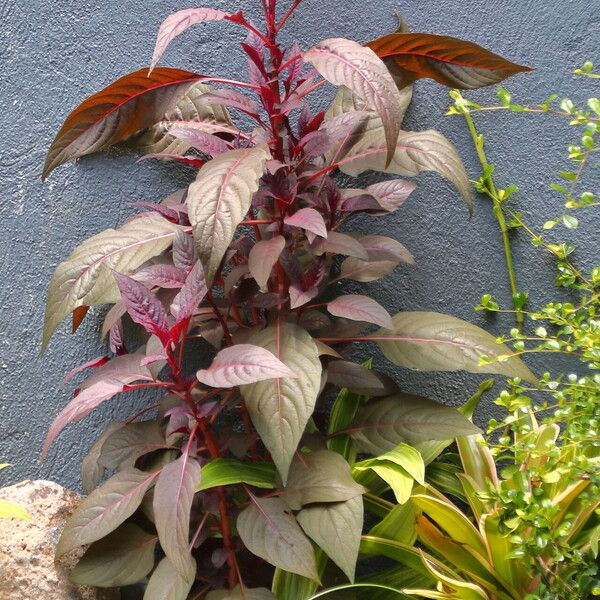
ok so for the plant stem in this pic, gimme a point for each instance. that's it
(497, 210)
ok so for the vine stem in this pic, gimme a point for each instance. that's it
(497, 210)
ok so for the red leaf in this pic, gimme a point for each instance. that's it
(127, 106)
(191, 294)
(450, 61)
(78, 316)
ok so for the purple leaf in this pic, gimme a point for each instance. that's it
(173, 496)
(164, 276)
(186, 159)
(242, 364)
(205, 142)
(177, 23)
(360, 308)
(309, 220)
(233, 99)
(262, 259)
(296, 66)
(381, 247)
(168, 212)
(341, 243)
(116, 338)
(190, 295)
(184, 251)
(143, 306)
(316, 143)
(379, 198)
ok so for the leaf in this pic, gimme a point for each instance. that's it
(450, 61)
(388, 196)
(360, 308)
(105, 509)
(177, 23)
(243, 364)
(191, 294)
(184, 251)
(272, 533)
(161, 275)
(78, 317)
(344, 62)
(280, 408)
(123, 557)
(397, 468)
(429, 341)
(127, 106)
(219, 199)
(228, 471)
(173, 496)
(143, 306)
(237, 593)
(346, 374)
(321, 476)
(10, 510)
(381, 425)
(191, 108)
(167, 583)
(336, 529)
(85, 278)
(415, 152)
(384, 255)
(340, 243)
(204, 142)
(233, 99)
(91, 469)
(128, 442)
(308, 219)
(263, 257)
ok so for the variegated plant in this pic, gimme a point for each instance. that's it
(245, 259)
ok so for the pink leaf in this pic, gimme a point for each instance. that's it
(184, 251)
(242, 364)
(233, 99)
(182, 158)
(262, 259)
(190, 295)
(142, 305)
(360, 308)
(90, 364)
(299, 297)
(205, 142)
(308, 219)
(177, 23)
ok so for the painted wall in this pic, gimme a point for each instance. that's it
(56, 53)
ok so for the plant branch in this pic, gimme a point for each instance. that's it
(497, 209)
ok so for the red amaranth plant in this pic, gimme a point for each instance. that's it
(245, 259)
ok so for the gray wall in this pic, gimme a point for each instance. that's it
(56, 53)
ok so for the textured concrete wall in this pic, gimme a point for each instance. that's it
(56, 53)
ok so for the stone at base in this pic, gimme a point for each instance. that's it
(27, 567)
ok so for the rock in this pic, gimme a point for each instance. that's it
(27, 566)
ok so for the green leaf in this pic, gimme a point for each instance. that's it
(356, 586)
(123, 557)
(85, 278)
(428, 341)
(167, 583)
(452, 521)
(381, 425)
(219, 199)
(271, 532)
(321, 476)
(336, 529)
(105, 509)
(229, 471)
(280, 408)
(398, 524)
